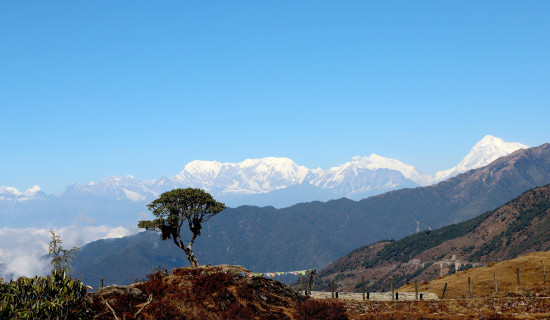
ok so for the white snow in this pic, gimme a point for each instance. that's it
(247, 177)
(134, 196)
(483, 153)
(256, 176)
(346, 171)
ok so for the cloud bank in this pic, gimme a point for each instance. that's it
(22, 250)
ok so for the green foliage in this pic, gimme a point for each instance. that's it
(56, 296)
(60, 258)
(177, 207)
(408, 247)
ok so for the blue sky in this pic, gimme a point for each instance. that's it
(90, 89)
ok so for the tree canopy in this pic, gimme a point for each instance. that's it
(179, 207)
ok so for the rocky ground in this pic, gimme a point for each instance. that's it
(222, 292)
(454, 309)
(209, 293)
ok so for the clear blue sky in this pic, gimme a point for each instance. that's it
(90, 89)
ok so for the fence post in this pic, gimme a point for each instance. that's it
(470, 287)
(416, 289)
(444, 289)
(392, 291)
(312, 273)
(101, 285)
(332, 288)
(543, 272)
(496, 284)
(363, 286)
(517, 271)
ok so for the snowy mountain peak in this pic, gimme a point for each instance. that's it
(196, 166)
(484, 152)
(374, 162)
(33, 190)
(249, 176)
(11, 193)
(490, 140)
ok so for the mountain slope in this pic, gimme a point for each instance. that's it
(311, 235)
(518, 227)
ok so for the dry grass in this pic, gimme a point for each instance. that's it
(482, 279)
(452, 309)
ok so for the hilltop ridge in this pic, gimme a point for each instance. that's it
(518, 227)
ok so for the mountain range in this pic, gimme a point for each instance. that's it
(516, 228)
(314, 234)
(277, 182)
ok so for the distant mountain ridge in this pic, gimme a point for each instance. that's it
(278, 181)
(312, 235)
(521, 226)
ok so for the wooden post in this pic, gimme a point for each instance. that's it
(363, 286)
(416, 289)
(517, 271)
(312, 273)
(397, 296)
(101, 285)
(301, 284)
(543, 272)
(392, 291)
(368, 295)
(470, 287)
(332, 288)
(444, 289)
(496, 284)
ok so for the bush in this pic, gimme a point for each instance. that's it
(55, 296)
(314, 309)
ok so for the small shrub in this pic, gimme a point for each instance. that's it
(154, 284)
(314, 309)
(55, 296)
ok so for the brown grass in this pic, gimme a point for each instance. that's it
(482, 279)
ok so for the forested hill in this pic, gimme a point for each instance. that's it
(312, 235)
(520, 226)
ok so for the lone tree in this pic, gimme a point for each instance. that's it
(175, 208)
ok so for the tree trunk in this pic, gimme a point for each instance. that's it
(191, 257)
(188, 252)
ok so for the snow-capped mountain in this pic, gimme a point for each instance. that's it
(249, 176)
(127, 187)
(12, 194)
(336, 175)
(279, 181)
(369, 175)
(484, 152)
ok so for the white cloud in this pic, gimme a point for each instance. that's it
(22, 249)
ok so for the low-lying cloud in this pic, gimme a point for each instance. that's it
(22, 250)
